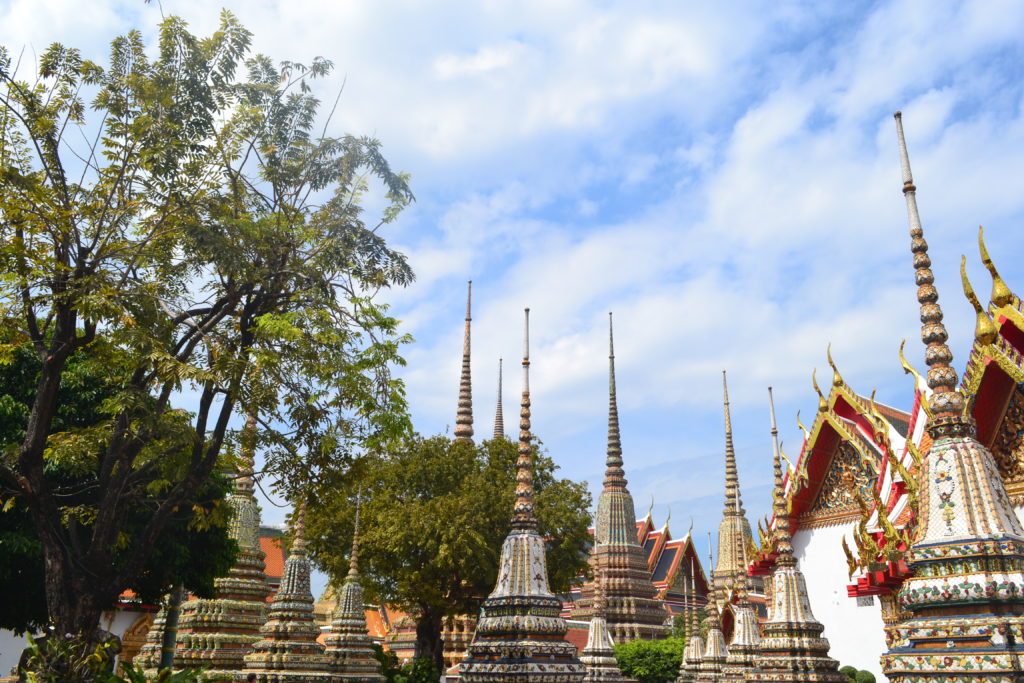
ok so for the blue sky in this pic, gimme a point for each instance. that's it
(725, 179)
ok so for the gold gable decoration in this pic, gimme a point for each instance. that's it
(836, 501)
(1008, 447)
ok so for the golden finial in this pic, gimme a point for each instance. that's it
(837, 379)
(822, 402)
(851, 563)
(984, 329)
(807, 432)
(919, 381)
(1001, 294)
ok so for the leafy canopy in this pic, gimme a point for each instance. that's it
(651, 661)
(178, 215)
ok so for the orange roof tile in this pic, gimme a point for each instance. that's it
(273, 563)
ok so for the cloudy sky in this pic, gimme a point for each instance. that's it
(722, 176)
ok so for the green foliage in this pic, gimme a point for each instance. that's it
(175, 215)
(651, 661)
(388, 660)
(681, 624)
(434, 515)
(864, 677)
(850, 672)
(192, 549)
(137, 675)
(418, 671)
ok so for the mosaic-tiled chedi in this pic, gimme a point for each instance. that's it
(216, 634)
(598, 656)
(633, 611)
(520, 636)
(713, 660)
(746, 638)
(287, 651)
(965, 597)
(349, 647)
(694, 651)
(464, 414)
(792, 645)
(734, 535)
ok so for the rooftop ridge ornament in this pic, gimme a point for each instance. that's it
(464, 415)
(499, 415)
(985, 331)
(1001, 294)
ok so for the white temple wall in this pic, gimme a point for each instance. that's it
(853, 631)
(11, 646)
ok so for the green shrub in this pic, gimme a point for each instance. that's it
(864, 677)
(850, 672)
(651, 661)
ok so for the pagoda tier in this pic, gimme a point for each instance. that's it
(964, 603)
(216, 634)
(713, 659)
(746, 637)
(792, 647)
(520, 635)
(349, 647)
(597, 655)
(694, 652)
(287, 651)
(632, 608)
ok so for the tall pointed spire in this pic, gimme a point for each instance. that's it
(793, 647)
(520, 635)
(288, 651)
(964, 512)
(614, 475)
(349, 646)
(746, 637)
(694, 652)
(464, 416)
(734, 532)
(633, 609)
(946, 399)
(499, 416)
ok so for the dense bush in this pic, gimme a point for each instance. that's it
(651, 661)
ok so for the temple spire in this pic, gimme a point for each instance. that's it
(613, 475)
(524, 517)
(783, 538)
(499, 416)
(464, 416)
(733, 502)
(353, 560)
(946, 401)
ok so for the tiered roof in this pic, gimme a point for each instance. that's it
(217, 633)
(520, 636)
(632, 609)
(288, 651)
(349, 647)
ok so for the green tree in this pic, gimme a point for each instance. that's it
(434, 515)
(651, 661)
(208, 244)
(193, 549)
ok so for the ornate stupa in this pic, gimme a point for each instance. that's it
(964, 603)
(734, 535)
(520, 636)
(499, 416)
(288, 651)
(746, 638)
(464, 414)
(217, 633)
(694, 652)
(792, 647)
(633, 611)
(713, 660)
(349, 647)
(597, 655)
(151, 651)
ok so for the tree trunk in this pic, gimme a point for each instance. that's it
(428, 637)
